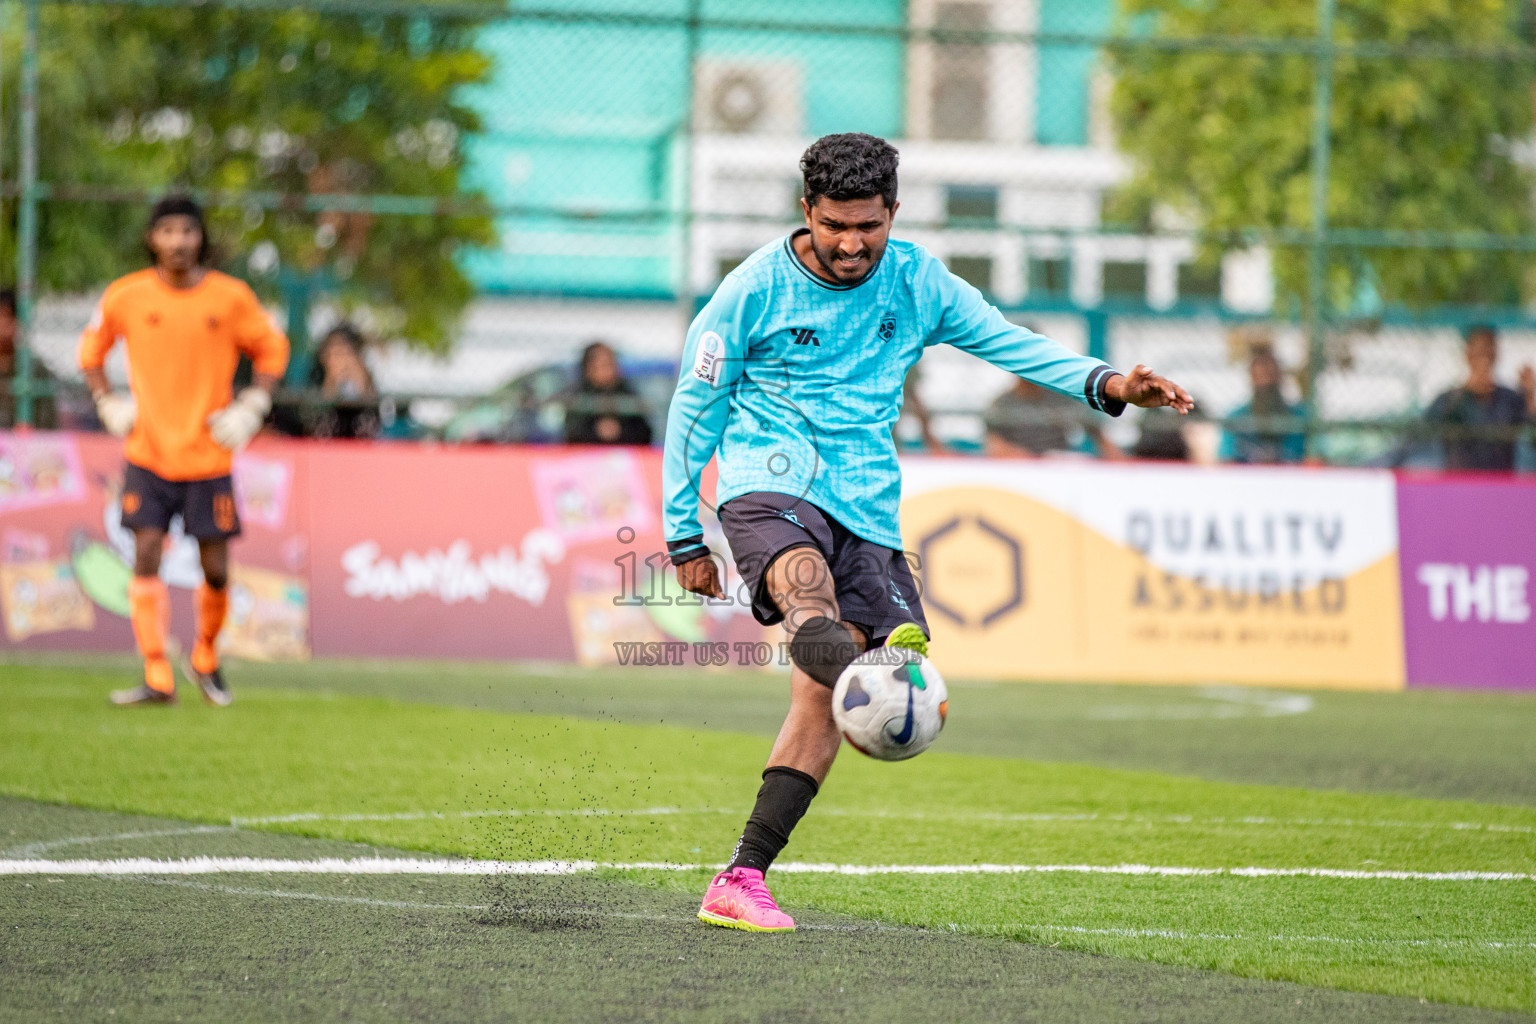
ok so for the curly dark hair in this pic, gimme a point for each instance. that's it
(849, 166)
(180, 206)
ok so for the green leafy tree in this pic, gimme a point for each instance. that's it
(1224, 140)
(137, 99)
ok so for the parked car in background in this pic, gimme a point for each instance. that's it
(531, 407)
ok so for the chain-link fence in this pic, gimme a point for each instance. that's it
(1296, 208)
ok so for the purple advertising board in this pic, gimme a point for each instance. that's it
(1468, 561)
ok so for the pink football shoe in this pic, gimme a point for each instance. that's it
(739, 898)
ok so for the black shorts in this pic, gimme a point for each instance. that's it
(206, 507)
(874, 584)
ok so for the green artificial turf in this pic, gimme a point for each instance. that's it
(621, 792)
(283, 947)
(1430, 743)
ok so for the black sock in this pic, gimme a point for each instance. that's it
(781, 802)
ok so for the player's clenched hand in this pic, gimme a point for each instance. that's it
(1144, 388)
(234, 425)
(117, 412)
(700, 576)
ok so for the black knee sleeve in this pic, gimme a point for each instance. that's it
(822, 648)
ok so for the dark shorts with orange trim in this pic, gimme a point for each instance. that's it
(206, 507)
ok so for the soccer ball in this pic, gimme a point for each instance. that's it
(890, 703)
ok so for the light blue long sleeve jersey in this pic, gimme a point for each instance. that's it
(795, 383)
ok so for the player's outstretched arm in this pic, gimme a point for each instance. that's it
(1146, 389)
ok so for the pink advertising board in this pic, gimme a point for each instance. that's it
(384, 550)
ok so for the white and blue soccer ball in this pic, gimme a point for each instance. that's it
(890, 703)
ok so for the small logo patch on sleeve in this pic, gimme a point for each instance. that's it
(706, 362)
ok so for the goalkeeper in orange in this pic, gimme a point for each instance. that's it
(185, 327)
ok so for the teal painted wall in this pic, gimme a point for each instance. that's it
(584, 118)
(1061, 115)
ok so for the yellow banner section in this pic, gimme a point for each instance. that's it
(42, 597)
(268, 615)
(1219, 582)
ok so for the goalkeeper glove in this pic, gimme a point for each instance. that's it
(234, 425)
(117, 412)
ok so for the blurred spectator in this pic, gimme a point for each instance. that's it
(1483, 405)
(1162, 437)
(601, 407)
(348, 404)
(44, 414)
(1029, 420)
(1261, 442)
(346, 385)
(912, 405)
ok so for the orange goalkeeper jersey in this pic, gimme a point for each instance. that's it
(183, 347)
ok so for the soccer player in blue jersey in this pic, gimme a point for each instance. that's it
(792, 377)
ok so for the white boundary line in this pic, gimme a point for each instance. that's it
(510, 812)
(434, 866)
(1023, 817)
(33, 849)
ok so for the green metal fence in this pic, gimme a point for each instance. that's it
(401, 163)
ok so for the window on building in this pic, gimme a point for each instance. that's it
(1125, 280)
(975, 203)
(961, 73)
(975, 270)
(1049, 278)
(1199, 283)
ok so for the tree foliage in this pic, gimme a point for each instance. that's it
(287, 102)
(1418, 143)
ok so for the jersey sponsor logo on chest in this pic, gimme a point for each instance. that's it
(885, 330)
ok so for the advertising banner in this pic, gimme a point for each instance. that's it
(368, 550)
(1468, 563)
(531, 553)
(1039, 569)
(1030, 569)
(65, 558)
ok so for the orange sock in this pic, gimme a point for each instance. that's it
(149, 610)
(211, 606)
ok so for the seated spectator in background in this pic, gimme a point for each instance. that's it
(1168, 437)
(1028, 421)
(346, 384)
(1262, 443)
(912, 407)
(342, 399)
(43, 408)
(1483, 404)
(601, 407)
